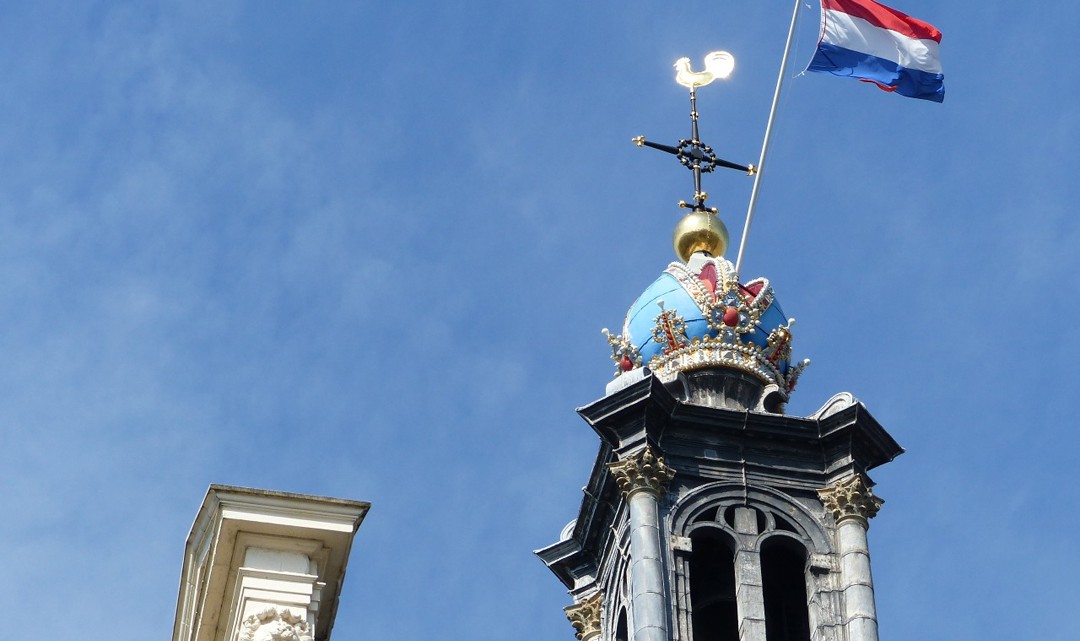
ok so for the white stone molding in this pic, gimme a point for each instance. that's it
(270, 625)
(851, 499)
(645, 472)
(585, 617)
(262, 565)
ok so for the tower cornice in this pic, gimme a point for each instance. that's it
(827, 447)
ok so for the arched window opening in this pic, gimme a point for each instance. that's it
(620, 629)
(729, 516)
(783, 563)
(707, 516)
(784, 524)
(712, 588)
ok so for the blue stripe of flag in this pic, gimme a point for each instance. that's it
(852, 64)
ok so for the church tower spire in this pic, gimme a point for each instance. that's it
(710, 514)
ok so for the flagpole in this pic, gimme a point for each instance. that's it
(768, 134)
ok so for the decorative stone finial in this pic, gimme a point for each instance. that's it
(585, 617)
(644, 472)
(851, 499)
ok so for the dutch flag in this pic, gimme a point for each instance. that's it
(865, 40)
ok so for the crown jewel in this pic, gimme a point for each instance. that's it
(698, 315)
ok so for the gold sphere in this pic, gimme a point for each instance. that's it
(699, 231)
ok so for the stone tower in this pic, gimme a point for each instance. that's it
(710, 513)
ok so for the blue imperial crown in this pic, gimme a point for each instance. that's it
(697, 315)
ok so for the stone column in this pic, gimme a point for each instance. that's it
(643, 479)
(585, 617)
(749, 589)
(853, 504)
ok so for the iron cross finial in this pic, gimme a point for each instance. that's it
(692, 153)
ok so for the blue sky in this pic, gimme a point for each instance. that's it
(365, 250)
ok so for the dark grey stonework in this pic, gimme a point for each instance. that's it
(716, 387)
(738, 468)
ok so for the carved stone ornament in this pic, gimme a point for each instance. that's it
(851, 499)
(270, 625)
(645, 472)
(585, 617)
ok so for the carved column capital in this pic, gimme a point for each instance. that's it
(270, 625)
(851, 499)
(585, 617)
(645, 472)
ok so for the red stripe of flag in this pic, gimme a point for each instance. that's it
(885, 17)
